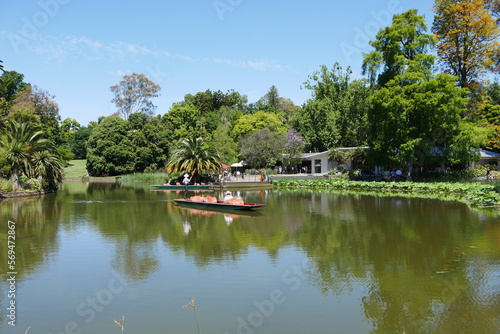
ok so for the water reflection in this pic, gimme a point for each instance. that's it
(428, 266)
(36, 231)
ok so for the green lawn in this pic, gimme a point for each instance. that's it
(76, 168)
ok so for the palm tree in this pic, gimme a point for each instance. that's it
(1, 66)
(193, 156)
(22, 143)
(48, 169)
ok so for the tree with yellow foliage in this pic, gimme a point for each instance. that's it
(467, 39)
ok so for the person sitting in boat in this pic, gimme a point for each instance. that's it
(228, 196)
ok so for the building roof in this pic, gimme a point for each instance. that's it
(489, 155)
(307, 156)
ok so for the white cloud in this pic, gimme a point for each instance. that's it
(262, 65)
(62, 48)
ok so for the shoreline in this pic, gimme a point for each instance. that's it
(11, 194)
(14, 194)
(90, 179)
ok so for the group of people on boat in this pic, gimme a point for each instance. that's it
(229, 199)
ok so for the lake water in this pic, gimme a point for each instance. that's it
(308, 262)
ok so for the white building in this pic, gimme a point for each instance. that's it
(488, 158)
(320, 165)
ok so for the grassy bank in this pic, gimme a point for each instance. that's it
(477, 194)
(144, 178)
(76, 168)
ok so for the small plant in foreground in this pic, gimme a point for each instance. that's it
(120, 324)
(192, 304)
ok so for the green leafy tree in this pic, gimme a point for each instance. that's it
(210, 101)
(69, 125)
(11, 83)
(336, 114)
(417, 121)
(221, 137)
(193, 155)
(182, 121)
(79, 141)
(272, 99)
(272, 102)
(399, 48)
(490, 113)
(150, 142)
(133, 94)
(316, 122)
(248, 124)
(209, 104)
(262, 148)
(109, 149)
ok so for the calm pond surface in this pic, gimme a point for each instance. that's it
(308, 262)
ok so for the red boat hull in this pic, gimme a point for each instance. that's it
(219, 205)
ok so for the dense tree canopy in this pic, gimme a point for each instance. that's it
(336, 113)
(401, 47)
(109, 148)
(262, 148)
(248, 124)
(417, 121)
(405, 109)
(11, 84)
(117, 146)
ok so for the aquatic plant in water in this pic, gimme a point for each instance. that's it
(192, 304)
(120, 324)
(477, 194)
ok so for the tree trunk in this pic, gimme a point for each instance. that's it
(16, 185)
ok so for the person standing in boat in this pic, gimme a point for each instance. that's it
(186, 182)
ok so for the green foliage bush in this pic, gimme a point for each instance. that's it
(453, 175)
(5, 185)
(29, 183)
(146, 178)
(118, 147)
(477, 194)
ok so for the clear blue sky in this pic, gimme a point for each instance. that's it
(77, 49)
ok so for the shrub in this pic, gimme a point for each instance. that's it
(5, 185)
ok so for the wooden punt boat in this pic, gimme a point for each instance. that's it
(218, 205)
(181, 187)
(244, 184)
(193, 211)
